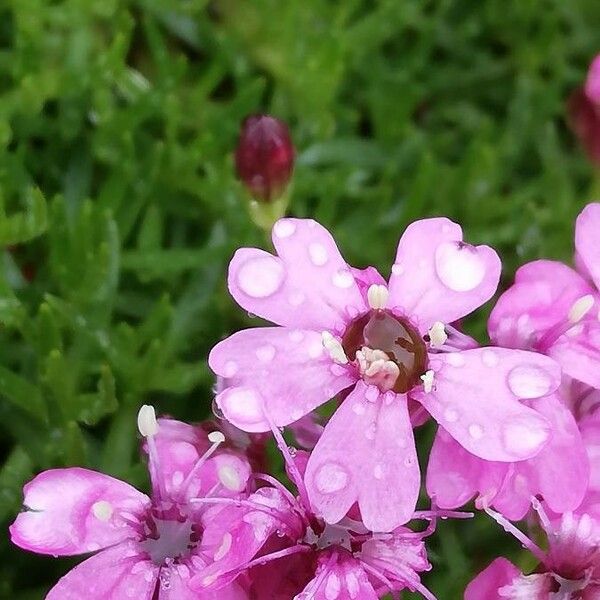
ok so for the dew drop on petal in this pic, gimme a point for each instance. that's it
(490, 358)
(260, 277)
(318, 254)
(343, 279)
(242, 404)
(358, 408)
(230, 368)
(370, 431)
(459, 266)
(331, 478)
(523, 437)
(265, 353)
(397, 269)
(476, 431)
(315, 349)
(378, 472)
(529, 381)
(451, 415)
(284, 228)
(372, 393)
(455, 359)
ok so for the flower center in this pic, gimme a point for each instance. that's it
(389, 351)
(170, 540)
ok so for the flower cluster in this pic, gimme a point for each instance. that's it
(518, 427)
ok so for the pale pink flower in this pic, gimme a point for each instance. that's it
(314, 560)
(569, 569)
(383, 345)
(146, 548)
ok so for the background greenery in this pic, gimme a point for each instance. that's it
(119, 209)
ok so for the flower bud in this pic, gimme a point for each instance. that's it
(584, 112)
(264, 157)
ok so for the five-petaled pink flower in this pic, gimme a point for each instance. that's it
(382, 344)
(569, 569)
(147, 548)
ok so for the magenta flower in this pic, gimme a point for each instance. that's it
(553, 309)
(147, 548)
(569, 569)
(344, 330)
(584, 112)
(315, 560)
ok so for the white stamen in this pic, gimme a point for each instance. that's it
(437, 335)
(216, 437)
(334, 348)
(146, 421)
(377, 368)
(377, 295)
(427, 379)
(580, 308)
(102, 510)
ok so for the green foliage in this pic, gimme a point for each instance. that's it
(119, 210)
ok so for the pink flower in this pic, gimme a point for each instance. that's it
(315, 560)
(147, 548)
(553, 309)
(569, 569)
(559, 473)
(383, 345)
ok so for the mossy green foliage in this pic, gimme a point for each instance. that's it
(119, 210)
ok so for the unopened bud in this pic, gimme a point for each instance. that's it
(264, 158)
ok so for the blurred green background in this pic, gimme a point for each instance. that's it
(119, 209)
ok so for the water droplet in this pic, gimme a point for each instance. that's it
(331, 478)
(230, 368)
(370, 431)
(343, 279)
(378, 472)
(490, 358)
(284, 228)
(459, 266)
(242, 404)
(260, 277)
(296, 298)
(455, 359)
(315, 349)
(358, 408)
(265, 353)
(451, 415)
(318, 254)
(529, 381)
(397, 269)
(372, 393)
(476, 431)
(522, 437)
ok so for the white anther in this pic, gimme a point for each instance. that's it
(216, 437)
(334, 348)
(437, 335)
(146, 421)
(102, 510)
(377, 295)
(580, 308)
(427, 379)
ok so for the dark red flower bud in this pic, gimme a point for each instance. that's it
(264, 158)
(584, 112)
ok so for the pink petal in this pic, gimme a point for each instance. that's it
(486, 585)
(73, 511)
(180, 446)
(178, 588)
(341, 578)
(115, 573)
(454, 476)
(366, 454)
(587, 240)
(285, 370)
(578, 352)
(308, 285)
(541, 297)
(560, 472)
(436, 277)
(592, 83)
(476, 395)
